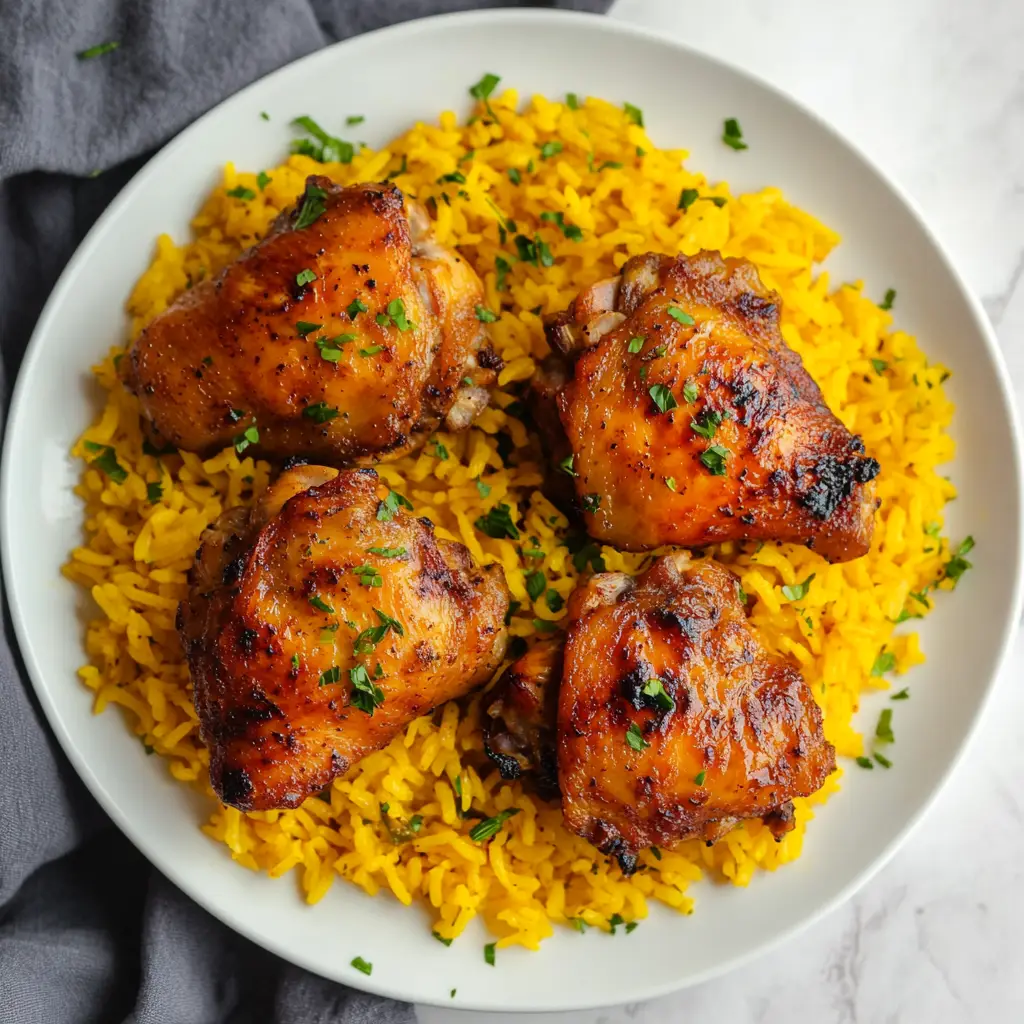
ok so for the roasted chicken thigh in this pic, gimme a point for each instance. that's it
(686, 419)
(346, 336)
(321, 623)
(673, 721)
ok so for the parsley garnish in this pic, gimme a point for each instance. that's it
(536, 584)
(885, 662)
(572, 101)
(883, 731)
(106, 461)
(355, 119)
(732, 135)
(456, 177)
(566, 466)
(571, 231)
(247, 437)
(388, 552)
(241, 192)
(361, 965)
(700, 777)
(483, 489)
(514, 176)
(635, 344)
(655, 689)
(553, 599)
(662, 397)
(313, 206)
(706, 423)
(879, 365)
(263, 180)
(330, 348)
(797, 591)
(714, 459)
(865, 762)
(373, 350)
(550, 149)
(355, 307)
(491, 826)
(365, 695)
(154, 492)
(321, 605)
(98, 51)
(320, 412)
(634, 114)
(485, 316)
(958, 565)
(304, 277)
(330, 676)
(719, 201)
(498, 523)
(903, 694)
(443, 941)
(482, 91)
(489, 952)
(503, 267)
(439, 452)
(687, 198)
(590, 502)
(304, 327)
(690, 392)
(887, 302)
(610, 165)
(670, 482)
(635, 738)
(368, 576)
(326, 149)
(388, 508)
(677, 314)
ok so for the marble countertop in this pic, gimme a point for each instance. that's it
(933, 91)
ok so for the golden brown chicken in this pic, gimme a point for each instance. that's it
(673, 721)
(345, 336)
(321, 623)
(687, 419)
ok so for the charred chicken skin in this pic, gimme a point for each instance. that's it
(320, 624)
(689, 421)
(673, 721)
(345, 336)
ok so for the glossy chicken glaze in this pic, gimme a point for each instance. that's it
(276, 608)
(242, 349)
(789, 470)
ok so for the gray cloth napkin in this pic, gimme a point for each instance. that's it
(89, 932)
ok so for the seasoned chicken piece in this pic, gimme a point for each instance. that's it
(690, 421)
(318, 626)
(347, 335)
(519, 717)
(674, 722)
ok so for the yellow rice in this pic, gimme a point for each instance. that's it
(534, 873)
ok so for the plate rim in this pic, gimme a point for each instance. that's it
(492, 18)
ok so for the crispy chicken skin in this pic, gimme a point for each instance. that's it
(285, 643)
(780, 467)
(520, 715)
(742, 737)
(230, 352)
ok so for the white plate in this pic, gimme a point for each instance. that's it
(394, 77)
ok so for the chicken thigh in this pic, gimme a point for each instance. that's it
(320, 624)
(687, 420)
(346, 336)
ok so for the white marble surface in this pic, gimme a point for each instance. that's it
(933, 90)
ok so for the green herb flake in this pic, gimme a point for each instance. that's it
(503, 267)
(880, 366)
(361, 965)
(634, 114)
(483, 489)
(611, 165)
(304, 277)
(687, 198)
(882, 759)
(443, 941)
(797, 591)
(489, 953)
(263, 180)
(241, 192)
(355, 307)
(312, 208)
(635, 344)
(388, 508)
(304, 327)
(250, 435)
(354, 119)
(264, 115)
(456, 178)
(321, 605)
(330, 348)
(550, 149)
(330, 676)
(498, 523)
(326, 149)
(700, 777)
(388, 552)
(732, 134)
(885, 662)
(903, 694)
(154, 492)
(890, 297)
(865, 762)
(690, 392)
(485, 316)
(590, 503)
(678, 315)
(662, 397)
(572, 101)
(371, 351)
(706, 423)
(490, 827)
(566, 466)
(883, 731)
(554, 600)
(368, 576)
(514, 176)
(536, 584)
(635, 738)
(320, 412)
(958, 565)
(295, 662)
(719, 201)
(98, 50)
(670, 483)
(106, 461)
(714, 459)
(365, 695)
(483, 89)
(660, 697)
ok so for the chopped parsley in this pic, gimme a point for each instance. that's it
(485, 316)
(714, 459)
(320, 412)
(797, 591)
(670, 482)
(321, 605)
(571, 231)
(572, 101)
(354, 119)
(367, 639)
(634, 114)
(388, 508)
(483, 89)
(490, 827)
(361, 965)
(154, 492)
(489, 952)
(241, 192)
(635, 344)
(456, 178)
(544, 626)
(98, 51)
(368, 576)
(498, 523)
(536, 584)
(882, 760)
(264, 115)
(304, 277)
(880, 366)
(503, 267)
(690, 392)
(250, 435)
(890, 297)
(355, 307)
(312, 208)
(365, 695)
(106, 461)
(514, 176)
(885, 662)
(958, 565)
(330, 348)
(687, 198)
(439, 452)
(678, 315)
(443, 941)
(330, 676)
(883, 731)
(326, 148)
(371, 351)
(903, 694)
(655, 689)
(662, 397)
(732, 134)
(304, 327)
(263, 180)
(553, 599)
(295, 662)
(566, 466)
(590, 503)
(865, 762)
(700, 777)
(706, 423)
(550, 149)
(483, 489)
(613, 165)
(719, 201)
(635, 738)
